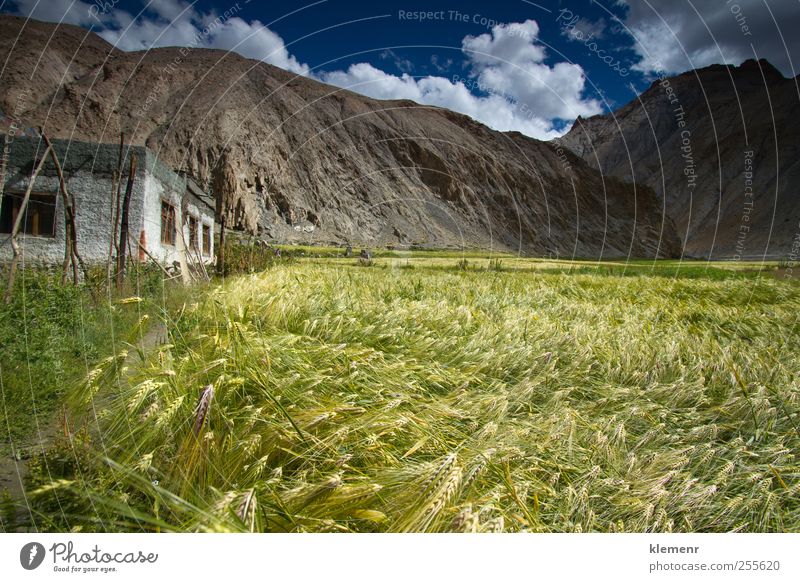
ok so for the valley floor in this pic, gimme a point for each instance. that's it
(441, 392)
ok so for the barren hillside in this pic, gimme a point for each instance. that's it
(295, 159)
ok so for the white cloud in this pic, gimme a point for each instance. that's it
(521, 92)
(582, 29)
(67, 11)
(255, 41)
(670, 36)
(510, 62)
(175, 23)
(365, 79)
(513, 43)
(169, 9)
(493, 110)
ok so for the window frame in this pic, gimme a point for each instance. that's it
(170, 210)
(194, 240)
(35, 202)
(207, 235)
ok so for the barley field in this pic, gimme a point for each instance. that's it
(445, 395)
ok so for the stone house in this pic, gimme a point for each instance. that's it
(163, 203)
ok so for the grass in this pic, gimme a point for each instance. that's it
(51, 336)
(447, 396)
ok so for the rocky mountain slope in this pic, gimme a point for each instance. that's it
(294, 159)
(720, 146)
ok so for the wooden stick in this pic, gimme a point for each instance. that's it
(180, 244)
(197, 259)
(123, 228)
(67, 253)
(142, 247)
(199, 254)
(69, 215)
(221, 250)
(18, 223)
(4, 168)
(114, 217)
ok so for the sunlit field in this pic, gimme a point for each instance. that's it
(435, 392)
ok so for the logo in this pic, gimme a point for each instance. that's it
(31, 555)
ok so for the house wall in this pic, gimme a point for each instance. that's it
(88, 169)
(163, 184)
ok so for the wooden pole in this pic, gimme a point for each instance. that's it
(18, 223)
(114, 216)
(4, 168)
(67, 252)
(180, 243)
(71, 238)
(123, 228)
(221, 250)
(198, 256)
(145, 251)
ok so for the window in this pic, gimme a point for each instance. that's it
(194, 243)
(206, 240)
(40, 214)
(167, 223)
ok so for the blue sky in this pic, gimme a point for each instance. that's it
(512, 64)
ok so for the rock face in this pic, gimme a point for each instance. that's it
(294, 159)
(720, 147)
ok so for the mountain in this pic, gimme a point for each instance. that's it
(290, 158)
(719, 145)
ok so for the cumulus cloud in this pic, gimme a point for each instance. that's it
(509, 61)
(513, 43)
(582, 28)
(678, 35)
(169, 9)
(507, 84)
(255, 41)
(515, 90)
(509, 87)
(496, 111)
(67, 11)
(177, 23)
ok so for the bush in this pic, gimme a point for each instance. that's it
(254, 256)
(495, 265)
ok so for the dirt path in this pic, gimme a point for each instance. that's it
(14, 470)
(14, 459)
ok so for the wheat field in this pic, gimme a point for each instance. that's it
(331, 396)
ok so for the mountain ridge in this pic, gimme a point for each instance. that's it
(293, 159)
(744, 161)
